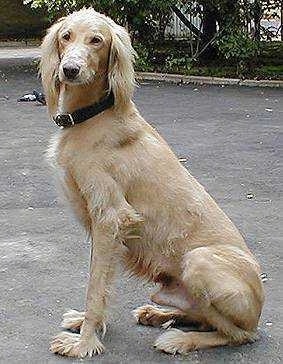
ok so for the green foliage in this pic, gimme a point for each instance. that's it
(145, 19)
(54, 9)
(270, 72)
(271, 53)
(239, 48)
(178, 64)
(143, 62)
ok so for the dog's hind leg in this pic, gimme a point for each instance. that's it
(229, 303)
(184, 310)
(175, 341)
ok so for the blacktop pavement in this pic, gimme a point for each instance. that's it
(231, 140)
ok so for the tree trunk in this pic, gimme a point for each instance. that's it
(229, 15)
(209, 30)
(257, 19)
(209, 22)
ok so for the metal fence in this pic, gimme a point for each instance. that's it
(177, 30)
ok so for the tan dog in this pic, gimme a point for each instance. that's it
(139, 204)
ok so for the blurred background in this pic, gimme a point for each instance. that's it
(224, 38)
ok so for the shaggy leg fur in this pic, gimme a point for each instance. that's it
(73, 320)
(87, 343)
(178, 342)
(70, 344)
(149, 315)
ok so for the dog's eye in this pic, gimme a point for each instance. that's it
(66, 36)
(96, 40)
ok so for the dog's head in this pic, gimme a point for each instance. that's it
(82, 47)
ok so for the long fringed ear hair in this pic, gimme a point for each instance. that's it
(49, 66)
(121, 78)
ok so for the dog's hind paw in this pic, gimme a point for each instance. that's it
(70, 344)
(73, 320)
(173, 341)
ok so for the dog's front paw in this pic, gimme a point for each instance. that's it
(70, 344)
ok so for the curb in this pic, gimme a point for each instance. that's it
(24, 53)
(200, 80)
(32, 53)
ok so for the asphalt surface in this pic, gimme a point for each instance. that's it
(230, 139)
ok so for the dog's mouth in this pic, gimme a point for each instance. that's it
(71, 82)
(75, 79)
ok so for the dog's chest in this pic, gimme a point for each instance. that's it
(54, 150)
(62, 151)
(56, 158)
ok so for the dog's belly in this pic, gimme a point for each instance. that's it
(165, 271)
(173, 292)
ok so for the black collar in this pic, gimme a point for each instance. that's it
(66, 120)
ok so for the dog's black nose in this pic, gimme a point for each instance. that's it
(71, 72)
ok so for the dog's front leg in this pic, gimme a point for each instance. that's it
(105, 253)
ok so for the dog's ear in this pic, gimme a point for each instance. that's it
(121, 78)
(49, 66)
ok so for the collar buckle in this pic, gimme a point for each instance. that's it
(64, 120)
